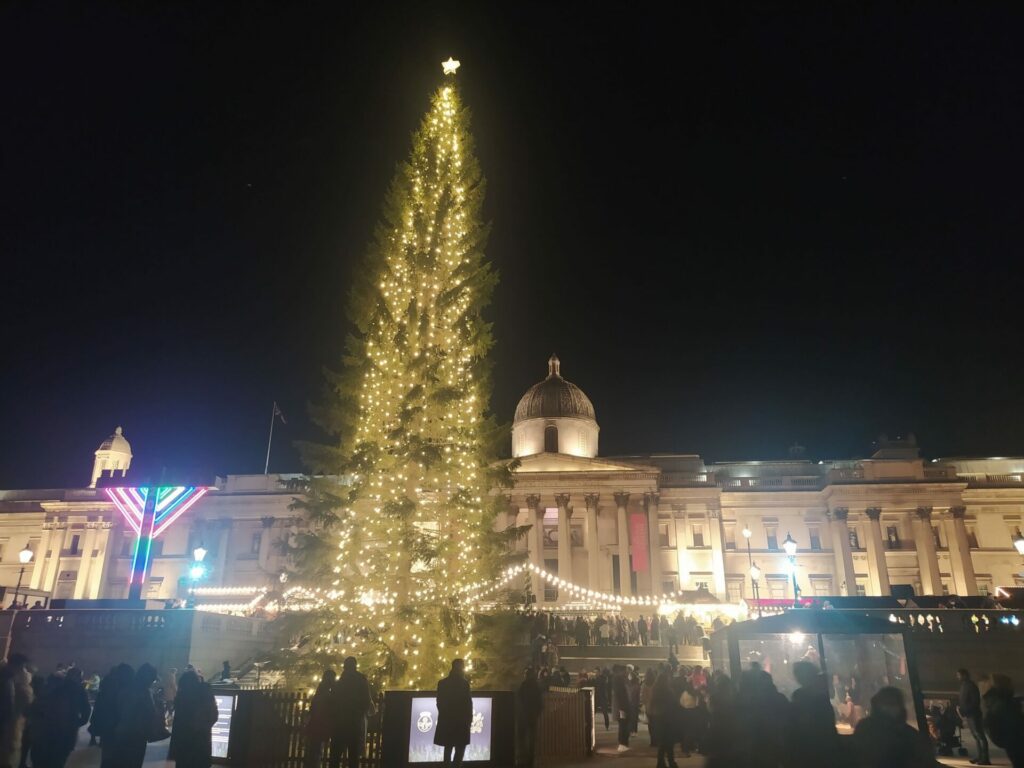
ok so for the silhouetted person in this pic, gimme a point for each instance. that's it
(812, 721)
(761, 716)
(195, 712)
(621, 707)
(968, 706)
(351, 703)
(139, 721)
(663, 719)
(319, 726)
(722, 742)
(529, 705)
(62, 709)
(884, 740)
(225, 671)
(1003, 719)
(15, 699)
(105, 713)
(454, 714)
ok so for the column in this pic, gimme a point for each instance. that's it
(927, 559)
(223, 552)
(878, 570)
(535, 543)
(40, 556)
(841, 548)
(52, 566)
(683, 558)
(621, 502)
(108, 534)
(653, 540)
(961, 565)
(717, 551)
(85, 564)
(592, 543)
(564, 543)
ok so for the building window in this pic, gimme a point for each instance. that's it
(984, 587)
(972, 535)
(550, 590)
(892, 536)
(76, 540)
(128, 545)
(777, 589)
(937, 536)
(821, 587)
(3, 545)
(257, 542)
(734, 590)
(730, 535)
(815, 533)
(698, 536)
(861, 590)
(854, 539)
(551, 439)
(663, 535)
(771, 533)
(945, 587)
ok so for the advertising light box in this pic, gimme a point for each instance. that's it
(423, 723)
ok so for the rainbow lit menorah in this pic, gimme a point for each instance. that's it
(151, 510)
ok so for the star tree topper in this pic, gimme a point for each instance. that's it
(450, 66)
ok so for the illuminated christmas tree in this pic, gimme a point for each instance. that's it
(401, 513)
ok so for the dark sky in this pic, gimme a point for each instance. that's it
(738, 228)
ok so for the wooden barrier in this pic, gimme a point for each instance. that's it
(268, 731)
(566, 724)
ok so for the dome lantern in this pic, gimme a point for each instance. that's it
(113, 457)
(555, 416)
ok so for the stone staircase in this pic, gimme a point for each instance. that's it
(577, 658)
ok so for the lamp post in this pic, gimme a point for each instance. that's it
(790, 546)
(24, 557)
(197, 570)
(755, 576)
(755, 572)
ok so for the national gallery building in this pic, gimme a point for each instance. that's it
(627, 525)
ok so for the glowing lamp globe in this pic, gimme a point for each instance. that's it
(25, 556)
(199, 553)
(747, 533)
(197, 571)
(755, 572)
(789, 545)
(1018, 543)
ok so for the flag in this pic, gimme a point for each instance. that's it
(277, 412)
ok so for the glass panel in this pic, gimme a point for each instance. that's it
(776, 653)
(720, 653)
(861, 665)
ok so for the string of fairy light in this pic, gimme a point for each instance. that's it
(420, 410)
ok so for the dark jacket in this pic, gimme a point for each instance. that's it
(319, 724)
(1004, 721)
(62, 709)
(880, 742)
(195, 712)
(351, 702)
(454, 712)
(529, 702)
(969, 700)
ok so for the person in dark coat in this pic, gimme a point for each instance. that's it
(318, 727)
(621, 707)
(139, 721)
(529, 705)
(195, 712)
(812, 721)
(969, 707)
(454, 714)
(62, 709)
(105, 713)
(602, 681)
(351, 704)
(1004, 720)
(884, 740)
(662, 717)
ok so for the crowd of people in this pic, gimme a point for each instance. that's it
(40, 717)
(617, 630)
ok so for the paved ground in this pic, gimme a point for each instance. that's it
(640, 755)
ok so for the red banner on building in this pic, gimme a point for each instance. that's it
(638, 538)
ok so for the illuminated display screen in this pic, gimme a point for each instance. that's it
(222, 728)
(423, 721)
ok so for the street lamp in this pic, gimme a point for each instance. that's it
(755, 576)
(196, 571)
(747, 533)
(1018, 543)
(789, 545)
(24, 557)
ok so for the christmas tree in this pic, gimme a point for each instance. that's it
(401, 506)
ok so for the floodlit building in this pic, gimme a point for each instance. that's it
(630, 525)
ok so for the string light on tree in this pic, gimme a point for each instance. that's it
(401, 541)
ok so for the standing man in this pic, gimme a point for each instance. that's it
(969, 707)
(529, 703)
(454, 714)
(620, 705)
(350, 705)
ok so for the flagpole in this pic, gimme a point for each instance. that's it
(270, 439)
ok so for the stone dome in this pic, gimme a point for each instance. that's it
(554, 398)
(116, 442)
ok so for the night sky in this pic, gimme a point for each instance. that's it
(738, 231)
